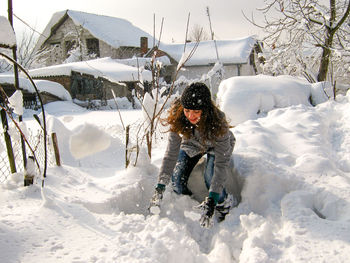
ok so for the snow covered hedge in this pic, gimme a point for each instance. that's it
(245, 97)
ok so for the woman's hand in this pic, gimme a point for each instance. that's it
(154, 207)
(207, 208)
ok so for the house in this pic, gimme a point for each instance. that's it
(238, 57)
(95, 79)
(103, 36)
(90, 36)
(49, 91)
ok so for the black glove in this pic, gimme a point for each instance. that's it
(207, 208)
(157, 197)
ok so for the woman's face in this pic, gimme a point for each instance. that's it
(193, 116)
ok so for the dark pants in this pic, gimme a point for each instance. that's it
(183, 169)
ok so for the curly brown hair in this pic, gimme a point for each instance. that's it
(212, 123)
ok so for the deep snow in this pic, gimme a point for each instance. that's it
(295, 162)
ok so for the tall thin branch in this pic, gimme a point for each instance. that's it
(187, 25)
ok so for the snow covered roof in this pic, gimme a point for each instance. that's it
(234, 51)
(142, 62)
(24, 83)
(103, 67)
(7, 35)
(114, 31)
(53, 88)
(43, 86)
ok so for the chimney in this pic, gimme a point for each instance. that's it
(143, 45)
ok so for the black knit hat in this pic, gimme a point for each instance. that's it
(196, 97)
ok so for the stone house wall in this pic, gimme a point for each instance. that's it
(66, 33)
(86, 87)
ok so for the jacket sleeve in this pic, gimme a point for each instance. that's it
(223, 148)
(170, 158)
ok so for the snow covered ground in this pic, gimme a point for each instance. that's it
(294, 160)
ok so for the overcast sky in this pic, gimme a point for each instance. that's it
(226, 15)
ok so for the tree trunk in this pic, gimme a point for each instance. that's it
(323, 70)
(326, 49)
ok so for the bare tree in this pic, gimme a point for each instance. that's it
(160, 97)
(26, 54)
(197, 34)
(4, 65)
(304, 33)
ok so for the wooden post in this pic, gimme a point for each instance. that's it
(8, 142)
(15, 72)
(127, 146)
(29, 171)
(149, 144)
(55, 148)
(14, 48)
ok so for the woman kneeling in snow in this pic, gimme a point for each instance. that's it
(197, 127)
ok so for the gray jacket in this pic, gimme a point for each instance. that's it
(222, 147)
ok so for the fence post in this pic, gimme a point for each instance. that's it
(8, 141)
(29, 171)
(127, 146)
(55, 148)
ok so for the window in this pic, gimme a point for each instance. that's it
(92, 46)
(55, 44)
(69, 45)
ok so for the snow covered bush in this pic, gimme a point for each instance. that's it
(247, 97)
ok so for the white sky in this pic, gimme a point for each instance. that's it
(226, 15)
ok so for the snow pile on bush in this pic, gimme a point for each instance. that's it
(246, 97)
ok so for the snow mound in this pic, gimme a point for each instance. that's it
(88, 140)
(248, 97)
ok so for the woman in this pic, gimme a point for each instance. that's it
(197, 127)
